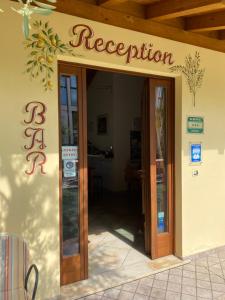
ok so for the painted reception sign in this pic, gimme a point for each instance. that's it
(85, 36)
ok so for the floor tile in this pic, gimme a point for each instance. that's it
(189, 281)
(188, 274)
(158, 293)
(218, 287)
(175, 278)
(147, 281)
(174, 287)
(216, 279)
(187, 297)
(112, 293)
(124, 295)
(160, 284)
(175, 271)
(131, 286)
(204, 293)
(172, 296)
(203, 276)
(140, 297)
(189, 290)
(162, 276)
(143, 289)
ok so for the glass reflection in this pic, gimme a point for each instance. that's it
(70, 165)
(161, 158)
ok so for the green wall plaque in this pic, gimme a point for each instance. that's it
(195, 124)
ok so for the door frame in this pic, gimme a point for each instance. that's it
(82, 259)
(162, 242)
(84, 67)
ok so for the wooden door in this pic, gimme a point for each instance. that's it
(73, 174)
(158, 164)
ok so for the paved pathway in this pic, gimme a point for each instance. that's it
(203, 278)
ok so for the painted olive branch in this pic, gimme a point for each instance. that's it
(44, 46)
(193, 73)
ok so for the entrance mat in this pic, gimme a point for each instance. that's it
(124, 274)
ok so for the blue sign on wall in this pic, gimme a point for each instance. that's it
(196, 153)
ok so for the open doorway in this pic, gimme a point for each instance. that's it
(117, 147)
(116, 215)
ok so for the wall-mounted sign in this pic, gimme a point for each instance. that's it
(69, 168)
(70, 152)
(85, 36)
(196, 153)
(35, 136)
(195, 124)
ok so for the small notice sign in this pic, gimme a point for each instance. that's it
(196, 153)
(70, 152)
(195, 124)
(69, 168)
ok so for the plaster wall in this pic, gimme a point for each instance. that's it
(29, 206)
(119, 97)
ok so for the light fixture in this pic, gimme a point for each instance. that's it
(27, 10)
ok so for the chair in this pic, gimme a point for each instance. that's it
(14, 272)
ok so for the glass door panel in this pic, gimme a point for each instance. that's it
(70, 168)
(73, 174)
(161, 166)
(161, 157)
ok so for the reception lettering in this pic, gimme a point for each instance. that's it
(85, 36)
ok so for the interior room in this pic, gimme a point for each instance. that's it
(116, 221)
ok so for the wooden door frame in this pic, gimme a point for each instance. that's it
(84, 67)
(157, 238)
(68, 69)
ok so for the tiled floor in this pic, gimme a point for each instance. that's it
(203, 278)
(116, 251)
(118, 266)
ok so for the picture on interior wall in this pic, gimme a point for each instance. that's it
(102, 124)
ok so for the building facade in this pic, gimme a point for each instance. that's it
(30, 164)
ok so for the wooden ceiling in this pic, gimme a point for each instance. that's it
(196, 22)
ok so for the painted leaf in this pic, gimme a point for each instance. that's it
(26, 29)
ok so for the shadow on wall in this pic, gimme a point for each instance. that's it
(29, 208)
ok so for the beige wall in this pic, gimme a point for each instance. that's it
(118, 96)
(29, 206)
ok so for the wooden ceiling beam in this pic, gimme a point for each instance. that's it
(109, 3)
(178, 8)
(221, 34)
(107, 16)
(207, 22)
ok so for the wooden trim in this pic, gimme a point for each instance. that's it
(206, 22)
(105, 69)
(162, 244)
(85, 179)
(150, 243)
(170, 9)
(76, 266)
(60, 177)
(222, 34)
(119, 19)
(109, 3)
